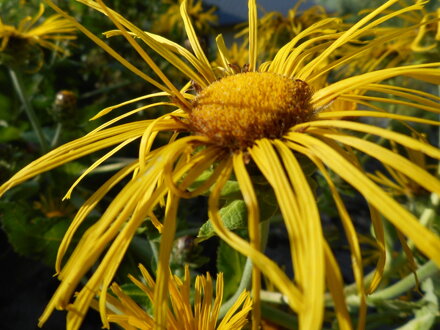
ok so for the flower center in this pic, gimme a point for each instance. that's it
(240, 109)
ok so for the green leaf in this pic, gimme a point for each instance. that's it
(231, 190)
(30, 235)
(231, 264)
(233, 215)
(9, 133)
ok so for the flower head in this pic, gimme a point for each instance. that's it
(275, 29)
(171, 19)
(182, 314)
(30, 36)
(265, 118)
(419, 35)
(254, 105)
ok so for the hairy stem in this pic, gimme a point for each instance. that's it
(18, 86)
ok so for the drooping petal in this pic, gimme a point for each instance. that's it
(303, 226)
(402, 139)
(385, 156)
(160, 302)
(250, 198)
(335, 284)
(314, 289)
(350, 230)
(266, 265)
(426, 241)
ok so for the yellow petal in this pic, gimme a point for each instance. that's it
(426, 241)
(250, 198)
(253, 23)
(402, 139)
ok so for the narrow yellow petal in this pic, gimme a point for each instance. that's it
(129, 113)
(108, 49)
(253, 38)
(175, 92)
(350, 230)
(86, 208)
(426, 241)
(314, 285)
(234, 319)
(336, 287)
(96, 164)
(266, 265)
(402, 139)
(374, 114)
(353, 32)
(385, 156)
(167, 239)
(194, 41)
(421, 71)
(434, 108)
(250, 198)
(223, 52)
(269, 164)
(75, 149)
(137, 99)
(380, 241)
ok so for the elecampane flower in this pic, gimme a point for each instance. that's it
(275, 29)
(419, 35)
(170, 20)
(125, 312)
(265, 117)
(30, 31)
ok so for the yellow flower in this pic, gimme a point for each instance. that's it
(418, 32)
(275, 29)
(266, 117)
(29, 35)
(125, 312)
(201, 18)
(397, 183)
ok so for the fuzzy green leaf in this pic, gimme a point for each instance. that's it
(233, 215)
(30, 235)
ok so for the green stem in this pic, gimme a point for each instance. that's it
(246, 277)
(245, 282)
(18, 86)
(426, 271)
(56, 136)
